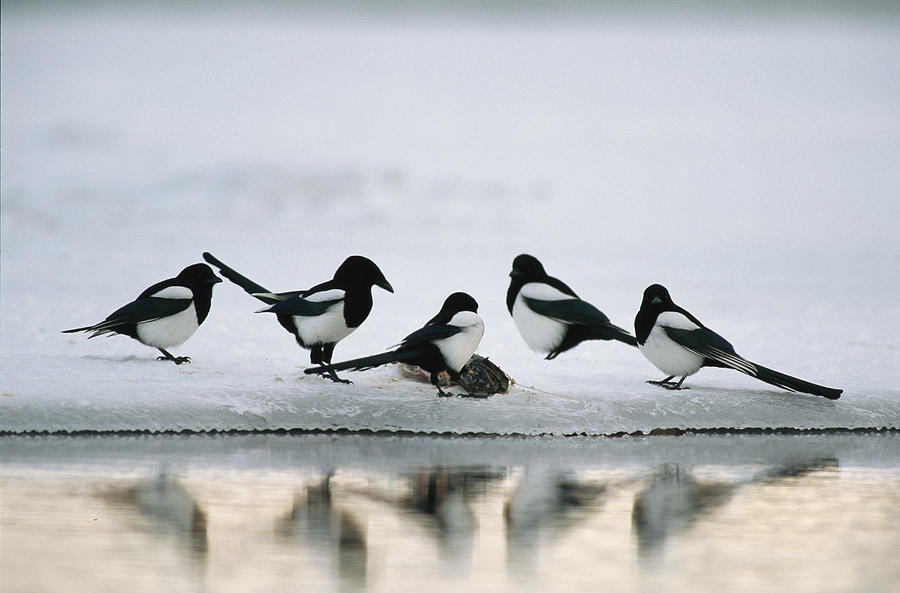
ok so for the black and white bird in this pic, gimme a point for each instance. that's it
(325, 314)
(679, 345)
(445, 343)
(549, 315)
(164, 315)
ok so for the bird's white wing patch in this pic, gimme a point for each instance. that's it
(668, 355)
(541, 333)
(459, 348)
(169, 331)
(675, 320)
(174, 292)
(326, 295)
(543, 292)
(329, 327)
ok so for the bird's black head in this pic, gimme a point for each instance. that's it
(198, 275)
(459, 301)
(356, 269)
(527, 267)
(453, 304)
(656, 297)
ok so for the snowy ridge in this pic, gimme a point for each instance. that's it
(213, 398)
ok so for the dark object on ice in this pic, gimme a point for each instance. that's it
(325, 314)
(549, 315)
(445, 343)
(164, 315)
(679, 345)
(482, 378)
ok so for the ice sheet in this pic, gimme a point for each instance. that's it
(750, 166)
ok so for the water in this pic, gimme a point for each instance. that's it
(399, 513)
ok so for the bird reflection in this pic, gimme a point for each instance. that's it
(439, 499)
(544, 503)
(168, 507)
(675, 499)
(314, 518)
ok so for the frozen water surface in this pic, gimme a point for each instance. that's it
(748, 164)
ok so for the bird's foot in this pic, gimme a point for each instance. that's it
(669, 384)
(175, 359)
(442, 393)
(333, 376)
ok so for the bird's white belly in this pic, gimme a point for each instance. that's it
(668, 356)
(542, 334)
(329, 327)
(169, 331)
(459, 348)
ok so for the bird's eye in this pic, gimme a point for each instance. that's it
(656, 300)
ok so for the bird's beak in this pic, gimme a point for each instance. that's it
(385, 285)
(516, 274)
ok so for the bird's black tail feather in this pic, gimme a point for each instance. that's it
(626, 338)
(777, 379)
(249, 286)
(98, 329)
(614, 332)
(366, 362)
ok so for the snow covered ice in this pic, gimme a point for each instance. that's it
(750, 166)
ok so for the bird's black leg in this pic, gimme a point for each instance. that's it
(333, 376)
(175, 359)
(680, 381)
(664, 382)
(436, 381)
(327, 351)
(667, 383)
(315, 355)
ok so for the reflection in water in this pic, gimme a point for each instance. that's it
(167, 507)
(439, 500)
(675, 499)
(332, 532)
(544, 503)
(536, 525)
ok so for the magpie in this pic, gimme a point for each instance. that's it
(679, 345)
(325, 314)
(164, 315)
(445, 343)
(550, 316)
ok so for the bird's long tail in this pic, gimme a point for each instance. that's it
(250, 287)
(361, 364)
(614, 332)
(99, 329)
(625, 337)
(778, 379)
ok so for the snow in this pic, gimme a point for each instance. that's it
(747, 164)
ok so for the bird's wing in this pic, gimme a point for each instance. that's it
(719, 352)
(430, 333)
(569, 311)
(710, 345)
(138, 311)
(300, 306)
